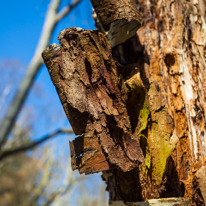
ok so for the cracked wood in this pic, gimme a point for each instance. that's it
(94, 98)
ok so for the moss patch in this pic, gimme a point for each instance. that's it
(160, 144)
(138, 111)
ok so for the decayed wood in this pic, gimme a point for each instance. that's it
(168, 51)
(87, 155)
(117, 16)
(53, 59)
(160, 103)
(94, 98)
(156, 202)
(199, 185)
(109, 11)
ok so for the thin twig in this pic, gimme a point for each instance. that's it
(32, 145)
(66, 10)
(63, 191)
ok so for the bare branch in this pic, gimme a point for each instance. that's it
(63, 190)
(66, 10)
(32, 145)
(44, 180)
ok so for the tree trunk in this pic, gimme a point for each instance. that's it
(138, 105)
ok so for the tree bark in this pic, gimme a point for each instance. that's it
(157, 102)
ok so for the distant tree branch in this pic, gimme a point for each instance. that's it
(66, 10)
(62, 190)
(32, 145)
(44, 181)
(51, 20)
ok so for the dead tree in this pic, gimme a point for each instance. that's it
(136, 97)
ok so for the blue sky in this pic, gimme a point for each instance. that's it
(20, 27)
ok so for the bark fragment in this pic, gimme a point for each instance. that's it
(94, 98)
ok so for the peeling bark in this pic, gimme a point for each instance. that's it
(115, 10)
(93, 96)
(142, 102)
(117, 16)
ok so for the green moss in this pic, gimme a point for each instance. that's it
(156, 146)
(143, 117)
(147, 162)
(161, 146)
(136, 88)
(144, 114)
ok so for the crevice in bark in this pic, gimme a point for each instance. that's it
(197, 196)
(171, 186)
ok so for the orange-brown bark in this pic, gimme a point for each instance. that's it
(168, 50)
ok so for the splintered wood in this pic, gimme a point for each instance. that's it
(93, 96)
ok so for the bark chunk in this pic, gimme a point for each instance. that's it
(94, 98)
